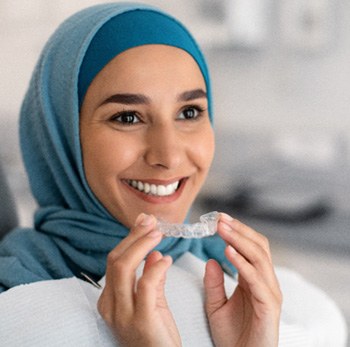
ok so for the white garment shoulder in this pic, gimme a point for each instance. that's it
(63, 312)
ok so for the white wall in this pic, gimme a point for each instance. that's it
(281, 87)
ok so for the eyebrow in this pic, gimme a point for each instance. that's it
(139, 99)
(127, 99)
(192, 95)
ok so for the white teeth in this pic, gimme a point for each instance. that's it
(161, 190)
(169, 189)
(140, 186)
(153, 189)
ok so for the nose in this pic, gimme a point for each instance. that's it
(165, 147)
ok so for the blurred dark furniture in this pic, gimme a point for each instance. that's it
(8, 212)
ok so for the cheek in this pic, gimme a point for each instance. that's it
(203, 148)
(108, 156)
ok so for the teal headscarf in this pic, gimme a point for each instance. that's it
(72, 231)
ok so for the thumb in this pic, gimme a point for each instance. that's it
(215, 296)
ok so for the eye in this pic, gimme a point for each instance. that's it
(190, 112)
(126, 118)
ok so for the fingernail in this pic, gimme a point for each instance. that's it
(144, 219)
(168, 258)
(231, 250)
(226, 217)
(226, 227)
(139, 219)
(154, 234)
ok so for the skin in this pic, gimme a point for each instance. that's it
(161, 146)
(171, 139)
(250, 316)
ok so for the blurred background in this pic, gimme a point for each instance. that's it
(280, 72)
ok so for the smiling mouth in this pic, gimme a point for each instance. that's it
(155, 189)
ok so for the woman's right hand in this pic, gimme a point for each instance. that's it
(137, 310)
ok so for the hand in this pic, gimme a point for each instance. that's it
(137, 311)
(250, 317)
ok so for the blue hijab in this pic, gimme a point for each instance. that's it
(72, 231)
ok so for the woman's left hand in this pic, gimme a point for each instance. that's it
(250, 317)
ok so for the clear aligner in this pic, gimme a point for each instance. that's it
(206, 227)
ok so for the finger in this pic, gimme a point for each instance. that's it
(260, 288)
(132, 257)
(150, 287)
(152, 258)
(120, 276)
(253, 250)
(255, 253)
(144, 224)
(215, 296)
(244, 229)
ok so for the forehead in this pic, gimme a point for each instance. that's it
(152, 63)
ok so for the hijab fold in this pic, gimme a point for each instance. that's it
(72, 231)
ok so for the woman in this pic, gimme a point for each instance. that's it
(116, 129)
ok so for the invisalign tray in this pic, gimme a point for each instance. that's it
(206, 227)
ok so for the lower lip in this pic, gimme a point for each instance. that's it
(158, 199)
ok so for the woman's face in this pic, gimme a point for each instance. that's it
(146, 138)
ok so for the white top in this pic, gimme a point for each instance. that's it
(63, 312)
